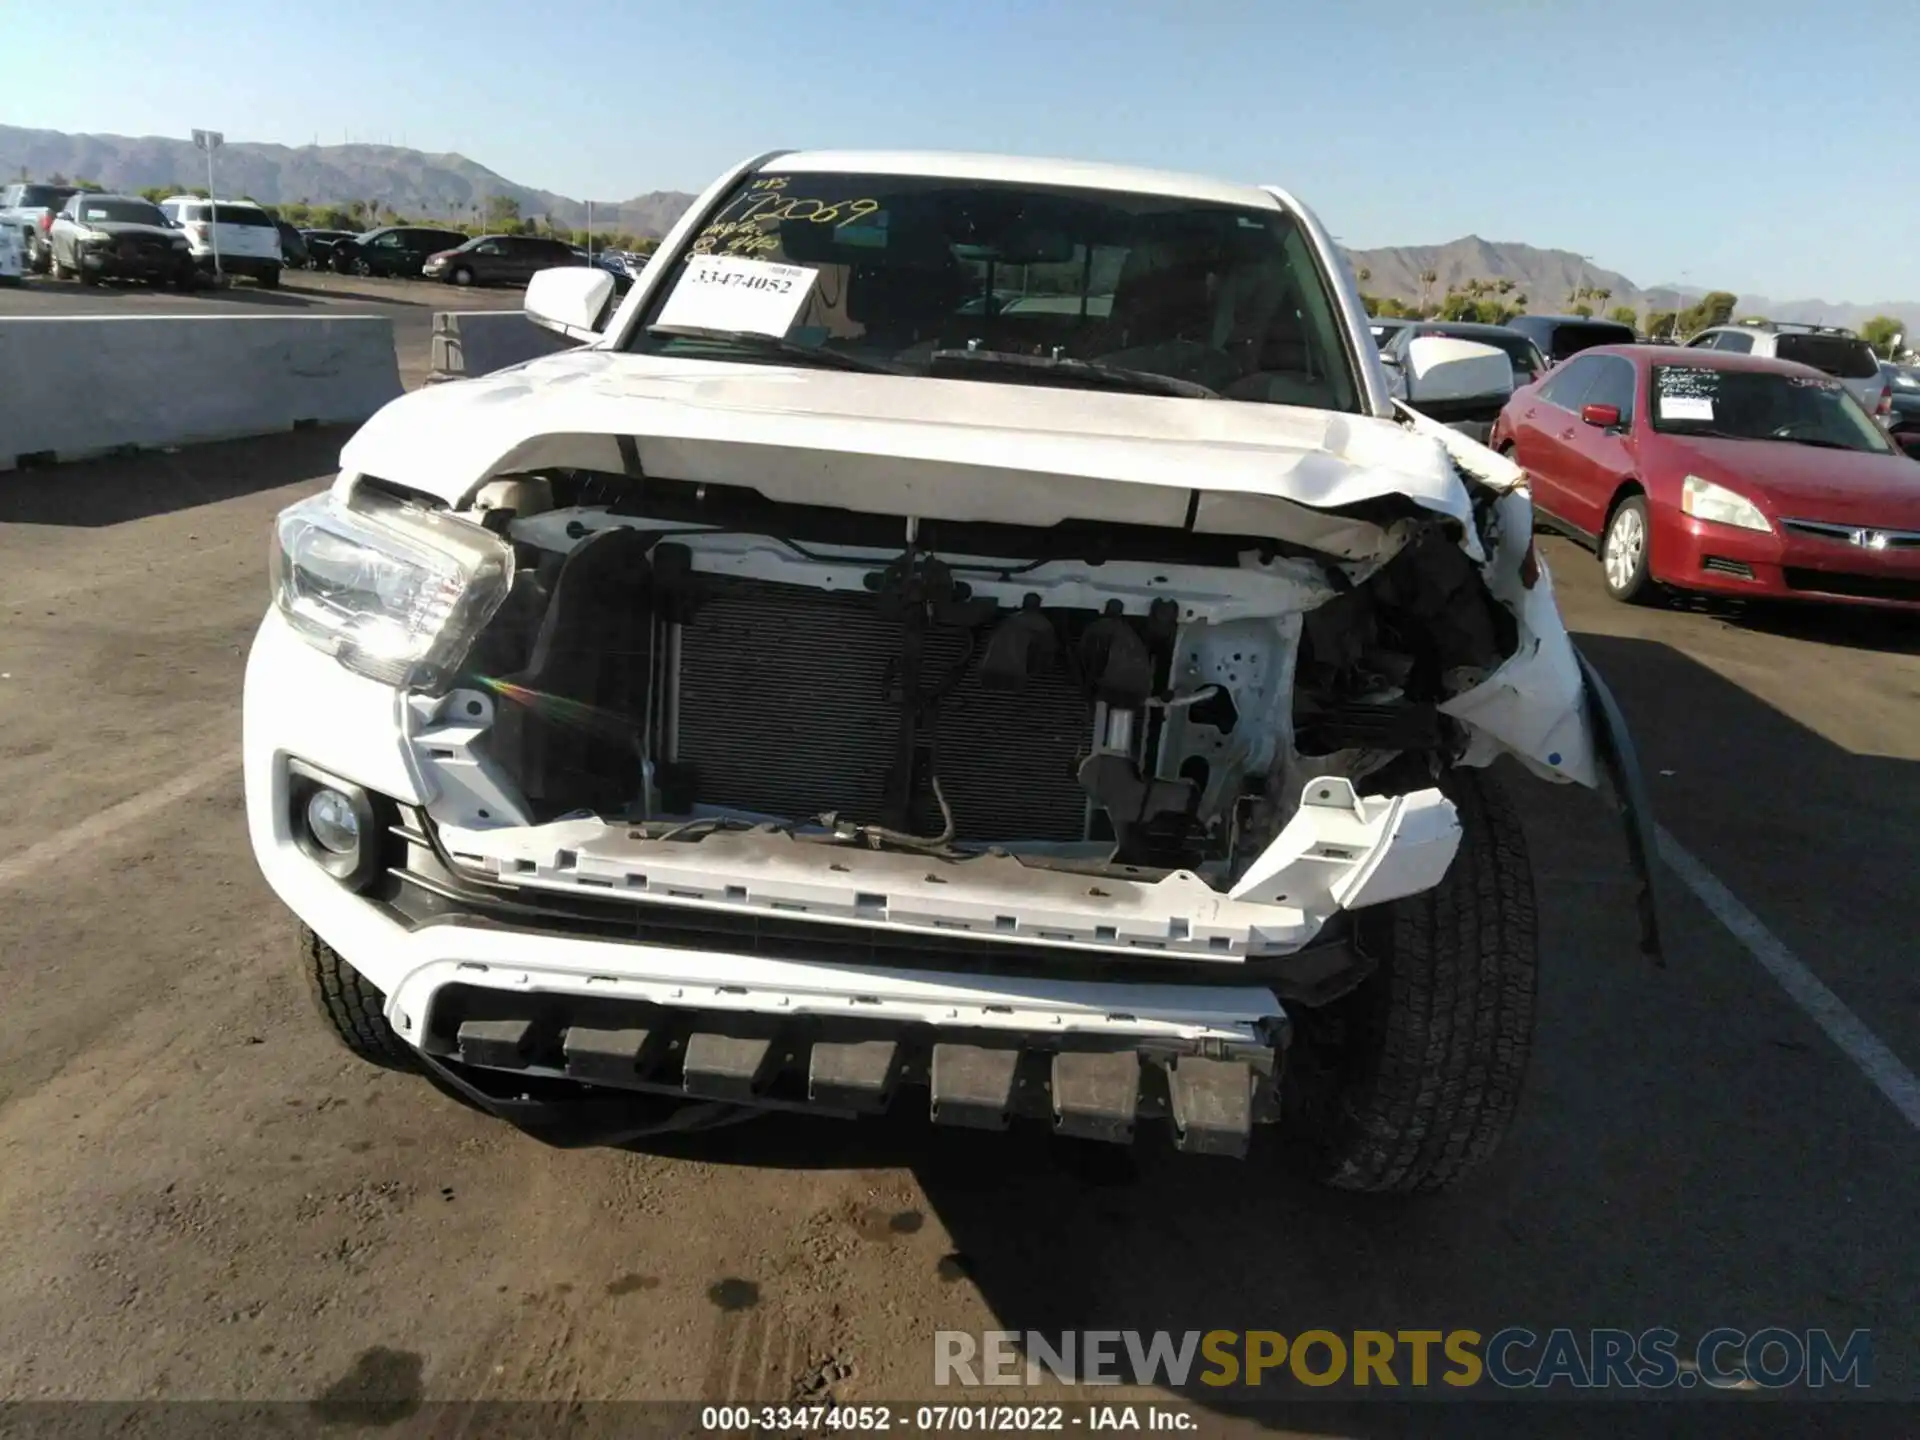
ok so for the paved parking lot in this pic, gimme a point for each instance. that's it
(200, 1195)
(408, 303)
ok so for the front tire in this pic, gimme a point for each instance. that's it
(1626, 550)
(354, 1010)
(268, 280)
(1409, 1083)
(463, 276)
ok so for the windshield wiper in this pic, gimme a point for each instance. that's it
(777, 345)
(1115, 377)
(1810, 440)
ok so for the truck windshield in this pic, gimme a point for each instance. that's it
(122, 212)
(916, 272)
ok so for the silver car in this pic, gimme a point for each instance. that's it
(1840, 353)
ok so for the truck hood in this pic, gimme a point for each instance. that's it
(934, 448)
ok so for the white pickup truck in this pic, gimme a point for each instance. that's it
(968, 627)
(27, 209)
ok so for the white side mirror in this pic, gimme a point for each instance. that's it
(570, 299)
(1442, 370)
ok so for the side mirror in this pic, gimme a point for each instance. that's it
(1604, 416)
(569, 299)
(1442, 370)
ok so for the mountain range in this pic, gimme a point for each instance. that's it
(423, 186)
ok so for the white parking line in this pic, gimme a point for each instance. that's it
(1826, 1009)
(116, 818)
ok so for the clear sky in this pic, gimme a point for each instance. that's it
(1750, 146)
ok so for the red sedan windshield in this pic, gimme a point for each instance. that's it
(1758, 405)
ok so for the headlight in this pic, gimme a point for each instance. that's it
(181, 245)
(95, 237)
(1705, 500)
(393, 590)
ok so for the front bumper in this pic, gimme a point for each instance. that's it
(531, 949)
(1783, 564)
(136, 263)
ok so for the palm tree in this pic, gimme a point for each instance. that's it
(1428, 278)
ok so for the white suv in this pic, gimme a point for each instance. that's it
(1828, 348)
(243, 235)
(824, 686)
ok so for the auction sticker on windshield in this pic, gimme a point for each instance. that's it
(725, 292)
(1686, 407)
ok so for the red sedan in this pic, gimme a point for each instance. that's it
(1719, 472)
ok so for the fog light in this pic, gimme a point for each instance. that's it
(337, 825)
(331, 818)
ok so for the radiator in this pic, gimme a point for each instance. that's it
(783, 710)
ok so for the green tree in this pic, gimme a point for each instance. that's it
(58, 179)
(1660, 324)
(1363, 274)
(502, 212)
(1428, 279)
(1879, 332)
(1624, 315)
(155, 193)
(1713, 308)
(1583, 310)
(93, 185)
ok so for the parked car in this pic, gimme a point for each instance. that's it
(1207, 819)
(118, 237)
(1719, 473)
(1528, 364)
(1828, 348)
(236, 237)
(13, 257)
(1903, 405)
(623, 265)
(395, 251)
(27, 208)
(1384, 328)
(1559, 337)
(320, 245)
(293, 245)
(499, 260)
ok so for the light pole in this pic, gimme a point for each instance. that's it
(589, 232)
(210, 141)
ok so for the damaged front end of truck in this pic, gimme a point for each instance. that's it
(759, 763)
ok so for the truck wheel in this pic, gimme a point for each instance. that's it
(1409, 1082)
(353, 1008)
(268, 280)
(54, 267)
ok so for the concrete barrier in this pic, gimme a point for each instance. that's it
(479, 342)
(73, 386)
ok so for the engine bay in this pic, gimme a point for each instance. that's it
(683, 659)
